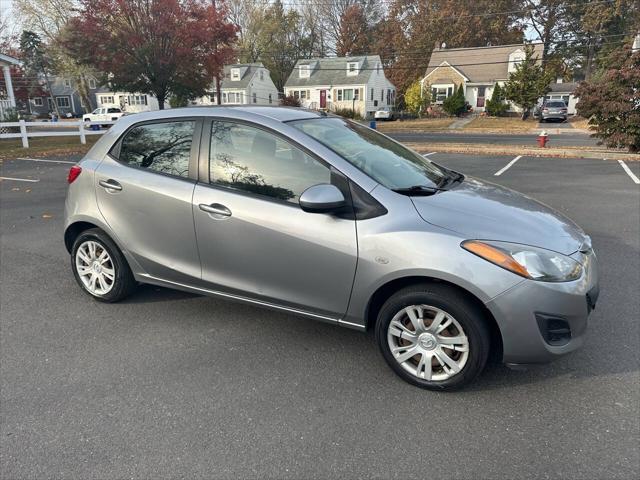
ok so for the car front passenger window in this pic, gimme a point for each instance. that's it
(254, 160)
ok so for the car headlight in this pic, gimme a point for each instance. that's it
(529, 262)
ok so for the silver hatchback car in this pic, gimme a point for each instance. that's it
(325, 218)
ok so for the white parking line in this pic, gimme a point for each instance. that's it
(507, 166)
(20, 179)
(427, 154)
(45, 160)
(635, 179)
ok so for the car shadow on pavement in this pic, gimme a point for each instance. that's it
(146, 293)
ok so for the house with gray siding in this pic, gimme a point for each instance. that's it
(65, 93)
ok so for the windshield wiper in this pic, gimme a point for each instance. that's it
(454, 177)
(416, 190)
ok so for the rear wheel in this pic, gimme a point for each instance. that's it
(100, 268)
(433, 336)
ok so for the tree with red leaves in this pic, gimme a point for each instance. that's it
(611, 100)
(158, 47)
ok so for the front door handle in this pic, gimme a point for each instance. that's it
(110, 185)
(215, 209)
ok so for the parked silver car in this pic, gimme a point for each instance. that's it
(553, 110)
(325, 218)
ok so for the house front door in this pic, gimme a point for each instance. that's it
(323, 99)
(481, 94)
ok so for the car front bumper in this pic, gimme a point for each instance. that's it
(540, 321)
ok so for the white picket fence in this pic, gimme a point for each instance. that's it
(49, 129)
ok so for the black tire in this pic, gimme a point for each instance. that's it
(455, 303)
(124, 283)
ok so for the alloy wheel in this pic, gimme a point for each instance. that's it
(428, 342)
(95, 267)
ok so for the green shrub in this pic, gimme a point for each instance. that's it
(456, 103)
(10, 115)
(496, 106)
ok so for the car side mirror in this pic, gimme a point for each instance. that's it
(322, 198)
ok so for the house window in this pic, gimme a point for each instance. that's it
(106, 99)
(254, 98)
(92, 83)
(63, 102)
(270, 99)
(378, 67)
(137, 99)
(235, 74)
(37, 101)
(303, 71)
(67, 83)
(49, 103)
(352, 68)
(301, 94)
(372, 94)
(382, 94)
(261, 75)
(439, 93)
(234, 97)
(348, 94)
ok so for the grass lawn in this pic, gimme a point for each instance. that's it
(419, 124)
(579, 122)
(502, 124)
(43, 146)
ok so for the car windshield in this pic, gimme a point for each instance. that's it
(555, 104)
(387, 162)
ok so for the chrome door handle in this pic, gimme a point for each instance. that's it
(110, 184)
(215, 209)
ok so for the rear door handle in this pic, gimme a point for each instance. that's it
(110, 185)
(215, 209)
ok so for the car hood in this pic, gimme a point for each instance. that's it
(485, 211)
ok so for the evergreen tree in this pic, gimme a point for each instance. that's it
(527, 83)
(456, 103)
(496, 106)
(35, 61)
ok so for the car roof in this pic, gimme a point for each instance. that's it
(281, 114)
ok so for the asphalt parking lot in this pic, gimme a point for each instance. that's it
(168, 384)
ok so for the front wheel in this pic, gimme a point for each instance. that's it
(433, 336)
(100, 268)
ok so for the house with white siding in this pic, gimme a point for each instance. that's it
(7, 95)
(243, 84)
(129, 102)
(357, 83)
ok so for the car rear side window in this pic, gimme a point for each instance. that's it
(256, 161)
(160, 147)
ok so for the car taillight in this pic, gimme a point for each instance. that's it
(74, 172)
(545, 110)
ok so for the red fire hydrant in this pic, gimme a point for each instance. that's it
(542, 139)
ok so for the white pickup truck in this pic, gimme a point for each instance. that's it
(103, 114)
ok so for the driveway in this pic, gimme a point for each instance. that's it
(169, 384)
